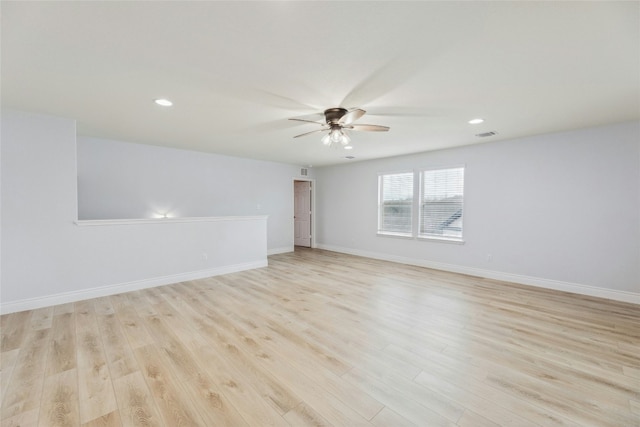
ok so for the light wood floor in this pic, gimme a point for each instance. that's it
(320, 338)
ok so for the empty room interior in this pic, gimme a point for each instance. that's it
(320, 213)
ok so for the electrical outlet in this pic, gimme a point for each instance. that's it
(205, 256)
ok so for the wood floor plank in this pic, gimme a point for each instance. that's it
(62, 351)
(242, 394)
(269, 348)
(332, 397)
(247, 374)
(42, 318)
(135, 402)
(315, 350)
(59, 406)
(174, 406)
(303, 415)
(398, 400)
(13, 328)
(95, 385)
(117, 351)
(141, 303)
(471, 419)
(386, 417)
(231, 345)
(214, 406)
(429, 397)
(319, 338)
(170, 346)
(132, 326)
(170, 336)
(24, 391)
(63, 308)
(112, 419)
(24, 419)
(585, 411)
(7, 362)
(464, 384)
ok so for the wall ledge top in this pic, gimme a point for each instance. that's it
(140, 221)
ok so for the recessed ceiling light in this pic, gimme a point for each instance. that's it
(163, 102)
(475, 121)
(348, 147)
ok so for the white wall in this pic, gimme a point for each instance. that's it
(48, 259)
(125, 180)
(559, 210)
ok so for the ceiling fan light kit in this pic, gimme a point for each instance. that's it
(336, 136)
(338, 120)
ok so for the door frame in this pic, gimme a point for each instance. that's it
(313, 207)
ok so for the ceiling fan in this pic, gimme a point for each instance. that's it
(337, 121)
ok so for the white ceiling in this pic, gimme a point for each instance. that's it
(236, 71)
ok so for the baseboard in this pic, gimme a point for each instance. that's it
(66, 297)
(282, 250)
(623, 296)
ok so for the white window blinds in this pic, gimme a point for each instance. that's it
(395, 203)
(441, 203)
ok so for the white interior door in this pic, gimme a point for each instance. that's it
(302, 213)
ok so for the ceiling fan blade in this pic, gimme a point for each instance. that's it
(395, 111)
(309, 121)
(351, 116)
(371, 128)
(316, 117)
(309, 133)
(386, 79)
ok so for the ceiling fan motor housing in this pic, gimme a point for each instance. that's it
(333, 115)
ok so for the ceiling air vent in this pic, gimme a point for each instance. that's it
(349, 157)
(486, 134)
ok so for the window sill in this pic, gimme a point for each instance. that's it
(442, 240)
(422, 238)
(395, 235)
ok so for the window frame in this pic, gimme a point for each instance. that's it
(380, 231)
(432, 237)
(416, 206)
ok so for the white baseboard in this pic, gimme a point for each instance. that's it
(629, 297)
(66, 297)
(282, 250)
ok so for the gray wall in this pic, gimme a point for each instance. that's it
(124, 180)
(554, 210)
(559, 210)
(47, 259)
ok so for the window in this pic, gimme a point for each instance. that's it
(436, 203)
(441, 203)
(395, 204)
